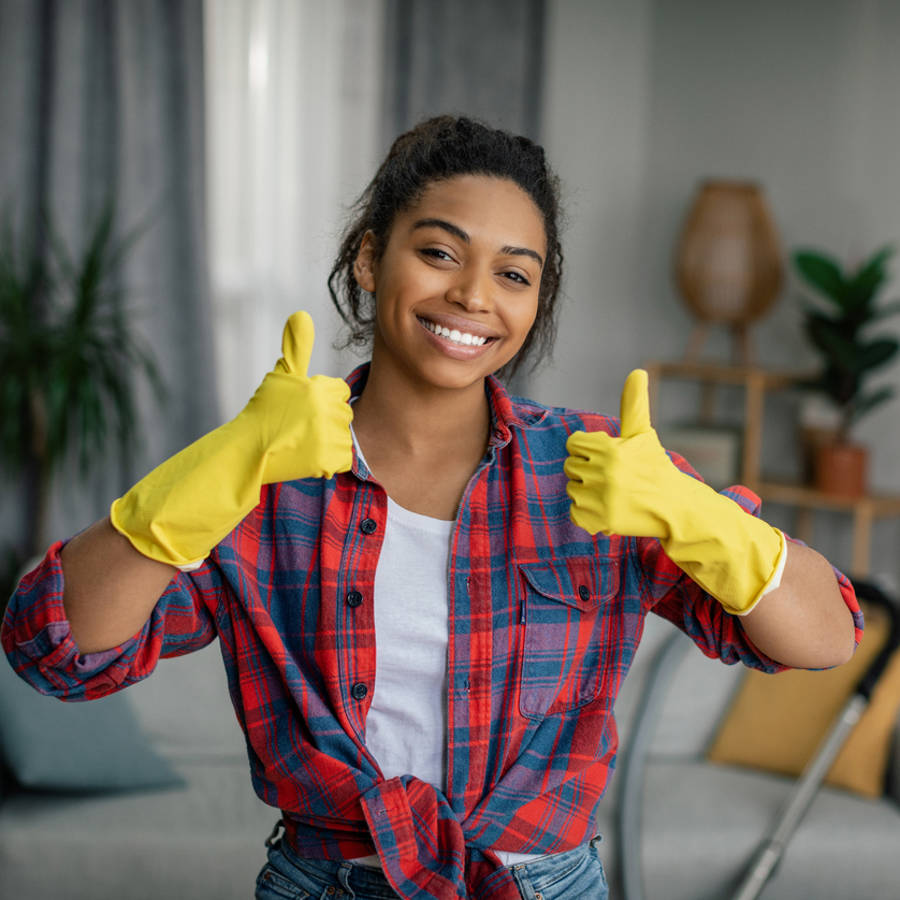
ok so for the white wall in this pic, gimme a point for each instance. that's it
(645, 99)
(595, 131)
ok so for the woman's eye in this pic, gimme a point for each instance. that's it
(518, 277)
(437, 253)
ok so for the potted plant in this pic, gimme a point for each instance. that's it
(839, 323)
(67, 356)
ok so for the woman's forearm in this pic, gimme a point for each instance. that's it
(110, 588)
(805, 622)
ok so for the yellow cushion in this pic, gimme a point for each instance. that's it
(777, 722)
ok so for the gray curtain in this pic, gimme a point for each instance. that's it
(102, 98)
(482, 58)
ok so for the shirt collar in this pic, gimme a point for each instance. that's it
(507, 412)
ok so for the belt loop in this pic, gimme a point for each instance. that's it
(343, 876)
(272, 839)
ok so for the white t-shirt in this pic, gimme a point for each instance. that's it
(406, 726)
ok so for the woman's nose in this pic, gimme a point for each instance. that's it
(469, 292)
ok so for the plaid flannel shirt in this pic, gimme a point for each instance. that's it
(544, 621)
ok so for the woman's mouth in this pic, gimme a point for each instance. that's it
(455, 335)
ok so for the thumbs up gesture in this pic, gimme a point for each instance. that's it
(627, 485)
(302, 423)
(621, 485)
(295, 426)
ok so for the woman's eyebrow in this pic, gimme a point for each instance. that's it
(456, 231)
(523, 251)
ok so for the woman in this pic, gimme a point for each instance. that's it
(498, 554)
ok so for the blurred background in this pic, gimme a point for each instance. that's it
(223, 142)
(174, 178)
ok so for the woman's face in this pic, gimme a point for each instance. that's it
(456, 288)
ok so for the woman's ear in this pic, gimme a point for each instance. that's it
(364, 264)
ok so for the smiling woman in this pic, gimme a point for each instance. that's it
(420, 162)
(457, 293)
(427, 591)
(455, 270)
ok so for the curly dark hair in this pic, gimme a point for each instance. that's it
(437, 149)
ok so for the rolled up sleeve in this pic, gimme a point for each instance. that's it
(717, 633)
(38, 642)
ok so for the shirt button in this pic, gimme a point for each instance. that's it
(359, 690)
(367, 526)
(354, 598)
(584, 593)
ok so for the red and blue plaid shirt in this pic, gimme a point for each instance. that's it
(544, 621)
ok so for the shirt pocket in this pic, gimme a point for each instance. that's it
(570, 632)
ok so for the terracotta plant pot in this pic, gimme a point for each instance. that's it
(813, 437)
(819, 423)
(842, 469)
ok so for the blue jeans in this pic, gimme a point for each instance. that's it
(573, 875)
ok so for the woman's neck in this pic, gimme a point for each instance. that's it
(421, 442)
(420, 419)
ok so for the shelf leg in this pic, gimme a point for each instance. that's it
(753, 413)
(742, 351)
(803, 524)
(707, 402)
(862, 535)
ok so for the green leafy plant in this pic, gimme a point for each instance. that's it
(68, 359)
(839, 326)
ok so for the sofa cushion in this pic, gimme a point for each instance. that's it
(893, 786)
(777, 722)
(703, 822)
(97, 746)
(203, 841)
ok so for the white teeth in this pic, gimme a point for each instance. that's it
(458, 337)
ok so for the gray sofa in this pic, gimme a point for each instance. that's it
(201, 838)
(686, 829)
(204, 838)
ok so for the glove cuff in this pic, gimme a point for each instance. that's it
(733, 555)
(774, 582)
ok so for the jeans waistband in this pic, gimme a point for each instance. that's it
(555, 875)
(373, 863)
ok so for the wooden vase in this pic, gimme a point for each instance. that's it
(728, 264)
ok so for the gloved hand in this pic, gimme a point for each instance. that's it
(627, 485)
(293, 427)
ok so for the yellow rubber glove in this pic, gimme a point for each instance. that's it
(627, 485)
(293, 427)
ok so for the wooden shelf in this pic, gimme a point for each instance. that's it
(755, 382)
(800, 495)
(725, 374)
(805, 500)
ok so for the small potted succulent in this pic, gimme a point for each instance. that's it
(839, 324)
